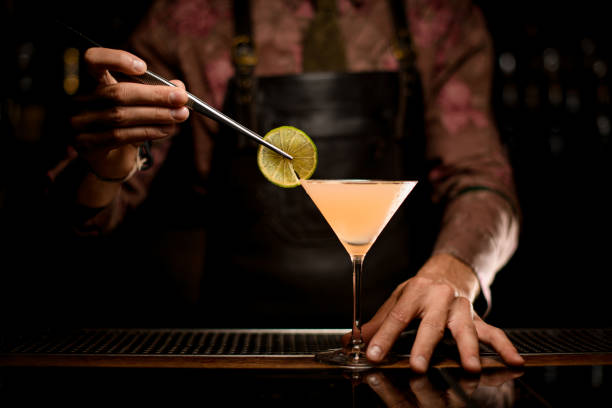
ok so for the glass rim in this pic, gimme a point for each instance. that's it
(358, 181)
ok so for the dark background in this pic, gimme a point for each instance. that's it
(552, 102)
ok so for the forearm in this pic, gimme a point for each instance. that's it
(79, 202)
(87, 205)
(480, 228)
(470, 173)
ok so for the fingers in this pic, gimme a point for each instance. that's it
(121, 125)
(394, 322)
(438, 306)
(371, 327)
(118, 117)
(113, 138)
(468, 329)
(178, 83)
(101, 60)
(461, 325)
(129, 93)
(497, 339)
(431, 331)
(124, 112)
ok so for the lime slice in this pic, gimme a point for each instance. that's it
(281, 171)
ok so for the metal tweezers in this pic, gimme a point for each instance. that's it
(194, 103)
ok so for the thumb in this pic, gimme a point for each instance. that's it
(102, 60)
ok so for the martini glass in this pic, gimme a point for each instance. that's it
(357, 211)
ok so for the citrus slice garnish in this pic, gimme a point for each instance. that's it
(280, 170)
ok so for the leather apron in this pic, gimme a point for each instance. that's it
(272, 260)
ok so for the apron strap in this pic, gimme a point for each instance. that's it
(244, 59)
(408, 76)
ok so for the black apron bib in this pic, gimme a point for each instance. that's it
(272, 260)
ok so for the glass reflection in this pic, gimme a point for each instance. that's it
(442, 388)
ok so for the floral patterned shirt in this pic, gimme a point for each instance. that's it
(191, 40)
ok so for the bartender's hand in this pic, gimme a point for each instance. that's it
(117, 117)
(441, 296)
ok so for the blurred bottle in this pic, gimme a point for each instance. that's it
(555, 101)
(509, 109)
(597, 117)
(71, 71)
(602, 107)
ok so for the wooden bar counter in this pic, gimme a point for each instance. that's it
(264, 367)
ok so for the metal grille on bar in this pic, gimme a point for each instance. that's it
(558, 341)
(279, 342)
(178, 342)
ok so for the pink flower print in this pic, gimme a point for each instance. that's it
(389, 62)
(218, 73)
(344, 6)
(305, 10)
(196, 17)
(429, 25)
(456, 110)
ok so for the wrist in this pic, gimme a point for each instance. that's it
(96, 193)
(138, 165)
(454, 272)
(116, 165)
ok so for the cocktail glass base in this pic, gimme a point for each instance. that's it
(347, 358)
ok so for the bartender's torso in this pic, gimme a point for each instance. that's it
(202, 33)
(270, 259)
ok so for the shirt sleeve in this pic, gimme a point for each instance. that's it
(469, 169)
(63, 182)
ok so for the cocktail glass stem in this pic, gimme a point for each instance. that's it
(357, 344)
